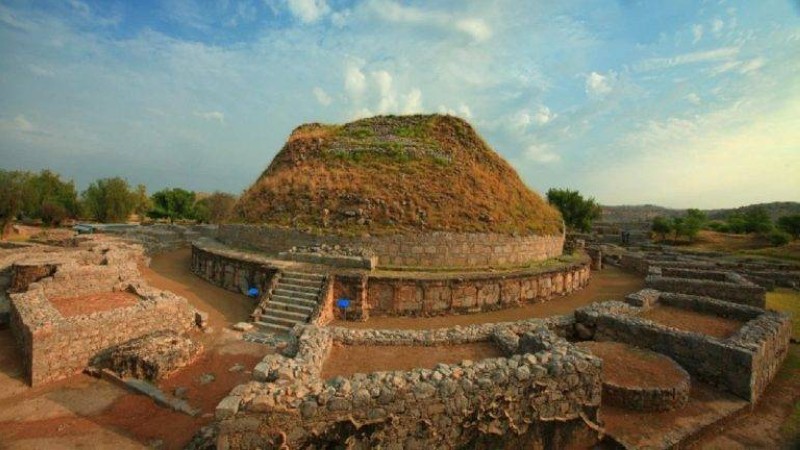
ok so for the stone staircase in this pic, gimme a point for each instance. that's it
(293, 300)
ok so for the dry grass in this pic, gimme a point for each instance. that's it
(787, 301)
(744, 244)
(394, 174)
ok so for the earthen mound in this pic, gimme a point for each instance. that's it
(390, 174)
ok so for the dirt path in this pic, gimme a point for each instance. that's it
(347, 360)
(172, 271)
(609, 284)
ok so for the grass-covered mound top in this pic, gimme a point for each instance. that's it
(391, 174)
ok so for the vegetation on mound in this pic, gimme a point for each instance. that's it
(391, 174)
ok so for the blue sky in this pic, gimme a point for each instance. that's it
(679, 103)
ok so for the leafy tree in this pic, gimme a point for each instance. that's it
(691, 224)
(12, 186)
(48, 188)
(53, 213)
(142, 202)
(757, 220)
(578, 213)
(109, 200)
(174, 204)
(215, 208)
(790, 224)
(662, 226)
(778, 238)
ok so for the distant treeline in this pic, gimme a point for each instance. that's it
(45, 196)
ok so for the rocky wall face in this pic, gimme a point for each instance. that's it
(435, 249)
(547, 399)
(231, 271)
(734, 288)
(743, 364)
(391, 296)
(54, 346)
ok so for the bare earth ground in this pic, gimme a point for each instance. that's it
(609, 284)
(683, 319)
(625, 365)
(347, 360)
(83, 412)
(87, 304)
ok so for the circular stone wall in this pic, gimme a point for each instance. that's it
(434, 249)
(639, 379)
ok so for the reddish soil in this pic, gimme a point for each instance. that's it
(683, 319)
(87, 304)
(172, 271)
(626, 365)
(347, 360)
(610, 283)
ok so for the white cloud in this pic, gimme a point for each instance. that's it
(697, 33)
(308, 11)
(476, 28)
(322, 97)
(543, 115)
(463, 110)
(355, 82)
(392, 11)
(716, 25)
(719, 54)
(22, 124)
(41, 71)
(215, 116)
(752, 65)
(541, 153)
(693, 98)
(413, 102)
(387, 100)
(597, 84)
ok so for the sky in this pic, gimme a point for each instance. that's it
(681, 103)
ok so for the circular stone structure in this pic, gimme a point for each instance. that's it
(639, 379)
(416, 191)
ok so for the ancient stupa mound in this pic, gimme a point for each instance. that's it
(392, 174)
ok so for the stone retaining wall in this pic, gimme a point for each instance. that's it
(235, 273)
(55, 347)
(743, 364)
(435, 249)
(729, 286)
(546, 399)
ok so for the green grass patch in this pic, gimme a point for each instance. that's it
(787, 301)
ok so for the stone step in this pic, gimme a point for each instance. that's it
(272, 327)
(310, 296)
(304, 276)
(298, 288)
(278, 304)
(291, 299)
(275, 320)
(292, 315)
(300, 282)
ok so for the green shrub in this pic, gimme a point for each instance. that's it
(778, 238)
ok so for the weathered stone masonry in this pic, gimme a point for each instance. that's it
(542, 399)
(435, 249)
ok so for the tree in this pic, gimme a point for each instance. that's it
(578, 213)
(47, 188)
(142, 202)
(691, 224)
(790, 224)
(757, 220)
(215, 208)
(109, 200)
(662, 226)
(12, 185)
(174, 204)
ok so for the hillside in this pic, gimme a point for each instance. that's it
(390, 174)
(646, 213)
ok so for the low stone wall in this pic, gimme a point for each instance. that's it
(233, 271)
(435, 249)
(729, 286)
(55, 347)
(466, 293)
(532, 400)
(743, 364)
(161, 237)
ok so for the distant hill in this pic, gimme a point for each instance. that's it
(646, 213)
